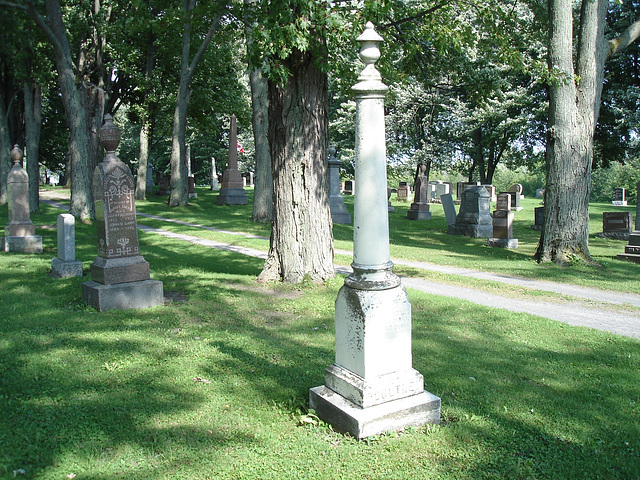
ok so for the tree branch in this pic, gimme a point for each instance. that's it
(424, 13)
(44, 26)
(622, 41)
(203, 46)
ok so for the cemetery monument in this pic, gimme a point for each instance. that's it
(65, 264)
(20, 232)
(419, 209)
(632, 250)
(474, 218)
(503, 224)
(372, 388)
(232, 191)
(119, 274)
(339, 212)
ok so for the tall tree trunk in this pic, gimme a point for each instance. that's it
(81, 204)
(5, 147)
(263, 190)
(301, 238)
(179, 183)
(145, 128)
(33, 124)
(143, 160)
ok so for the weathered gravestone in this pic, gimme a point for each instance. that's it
(616, 225)
(66, 265)
(538, 218)
(632, 250)
(503, 224)
(338, 209)
(404, 190)
(149, 179)
(191, 191)
(516, 189)
(231, 191)
(419, 209)
(474, 217)
(119, 274)
(442, 189)
(619, 198)
(449, 208)
(164, 184)
(20, 231)
(390, 208)
(462, 186)
(214, 175)
(491, 190)
(372, 387)
(349, 187)
(515, 199)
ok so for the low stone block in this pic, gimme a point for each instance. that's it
(123, 296)
(66, 268)
(28, 244)
(503, 242)
(346, 417)
(110, 271)
(232, 196)
(418, 215)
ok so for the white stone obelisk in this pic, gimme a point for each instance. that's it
(372, 387)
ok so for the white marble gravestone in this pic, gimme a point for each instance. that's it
(372, 387)
(65, 264)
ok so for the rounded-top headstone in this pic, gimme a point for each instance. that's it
(109, 134)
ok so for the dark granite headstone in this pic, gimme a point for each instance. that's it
(349, 187)
(338, 209)
(474, 217)
(538, 219)
(617, 222)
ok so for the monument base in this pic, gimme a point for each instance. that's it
(123, 296)
(471, 230)
(418, 214)
(192, 195)
(66, 269)
(232, 196)
(619, 203)
(113, 271)
(27, 244)
(347, 417)
(503, 242)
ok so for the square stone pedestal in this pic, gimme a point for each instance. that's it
(632, 250)
(419, 214)
(347, 417)
(65, 269)
(123, 296)
(26, 244)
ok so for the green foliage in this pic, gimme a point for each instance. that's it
(604, 181)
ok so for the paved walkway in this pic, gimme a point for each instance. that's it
(603, 310)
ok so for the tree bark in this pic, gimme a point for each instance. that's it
(573, 111)
(33, 124)
(263, 189)
(145, 128)
(5, 148)
(179, 183)
(81, 204)
(301, 246)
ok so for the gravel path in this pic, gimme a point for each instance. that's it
(603, 310)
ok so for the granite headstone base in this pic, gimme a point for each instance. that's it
(66, 269)
(347, 417)
(232, 196)
(419, 214)
(26, 244)
(123, 296)
(503, 242)
(112, 271)
(339, 212)
(471, 230)
(632, 251)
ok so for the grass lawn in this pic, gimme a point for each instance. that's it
(216, 387)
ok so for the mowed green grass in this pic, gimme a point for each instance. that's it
(216, 387)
